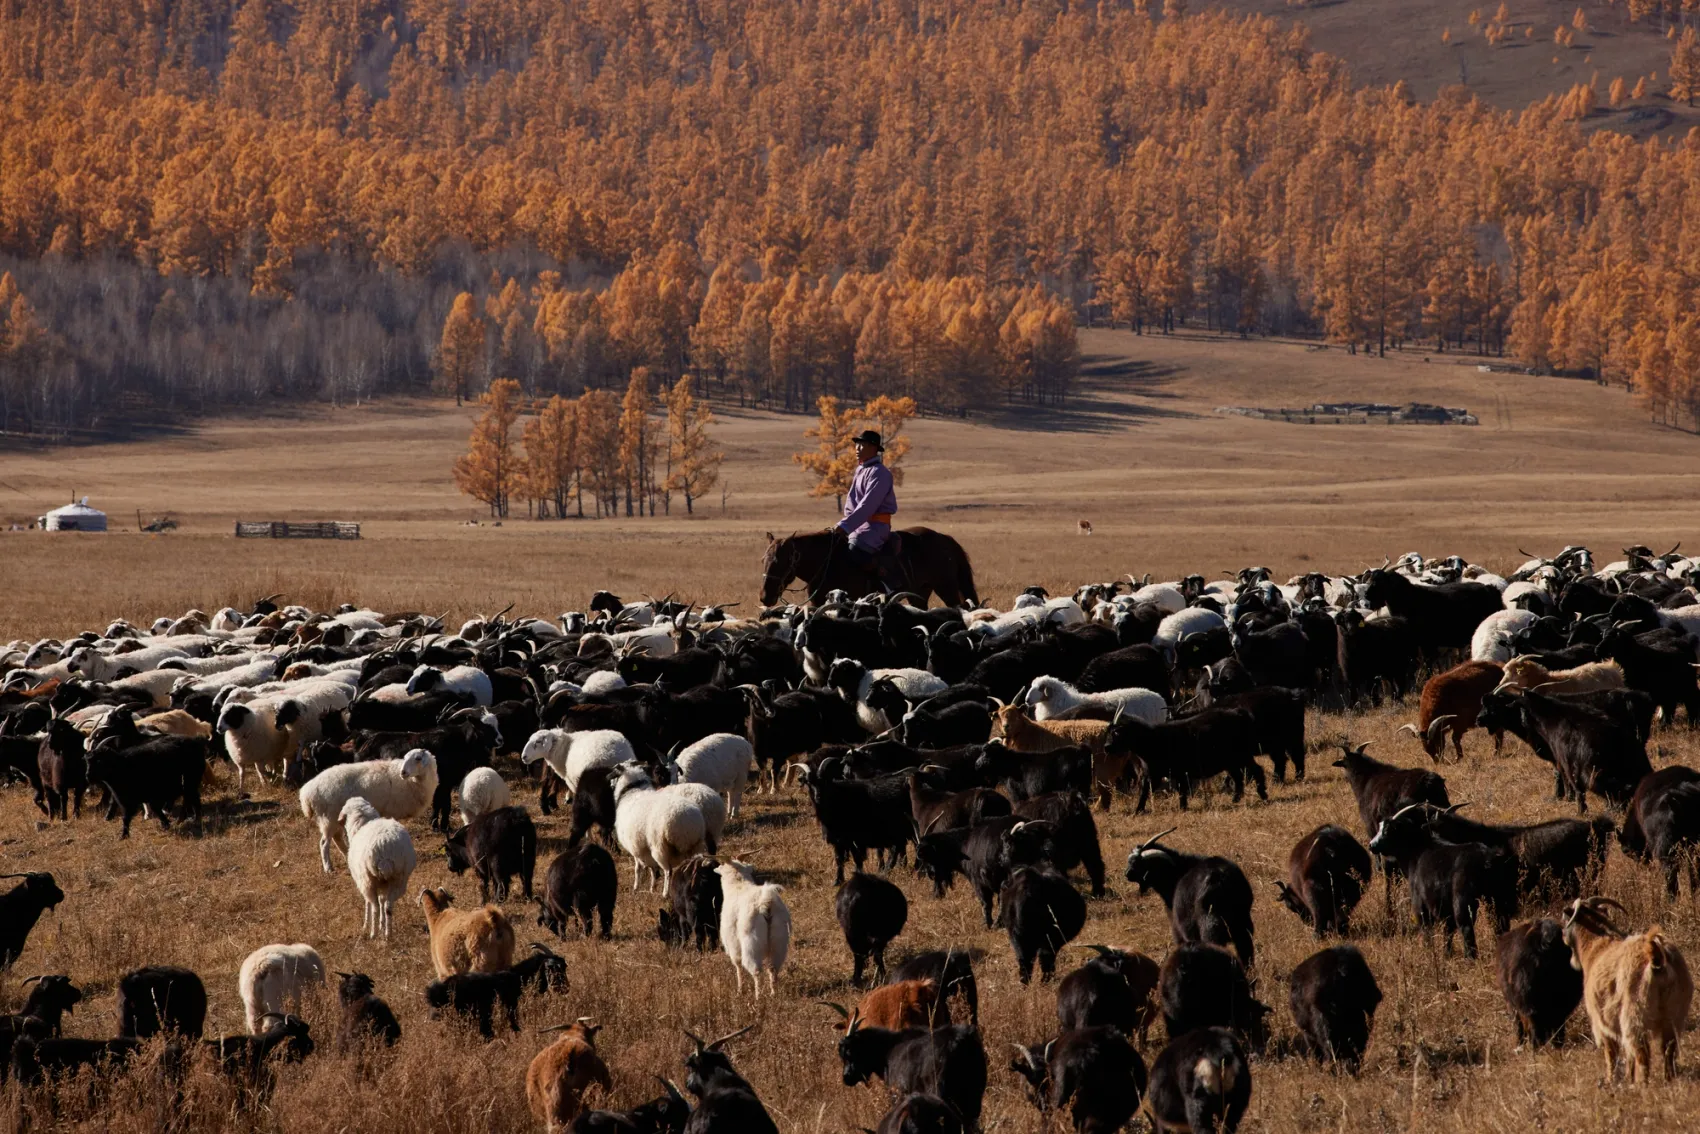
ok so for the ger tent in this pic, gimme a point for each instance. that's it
(76, 517)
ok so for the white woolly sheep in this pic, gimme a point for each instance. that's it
(482, 791)
(603, 682)
(1052, 698)
(380, 860)
(1166, 596)
(755, 925)
(664, 828)
(214, 664)
(1492, 639)
(96, 666)
(656, 641)
(276, 977)
(1193, 620)
(571, 754)
(465, 680)
(720, 760)
(252, 739)
(854, 681)
(302, 708)
(156, 683)
(397, 789)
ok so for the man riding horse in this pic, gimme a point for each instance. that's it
(868, 507)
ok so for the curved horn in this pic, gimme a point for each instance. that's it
(839, 1008)
(1153, 839)
(671, 1089)
(1436, 730)
(1456, 807)
(1410, 728)
(729, 1036)
(27, 980)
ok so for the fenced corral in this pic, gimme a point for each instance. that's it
(283, 529)
(1358, 413)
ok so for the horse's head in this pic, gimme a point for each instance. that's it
(778, 567)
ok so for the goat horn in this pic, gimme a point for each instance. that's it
(1401, 811)
(694, 1038)
(1456, 807)
(1435, 728)
(1410, 728)
(1153, 839)
(539, 947)
(27, 980)
(839, 1008)
(671, 1089)
(561, 1028)
(929, 827)
(715, 1046)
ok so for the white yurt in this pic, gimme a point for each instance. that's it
(75, 517)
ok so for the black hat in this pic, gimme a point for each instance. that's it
(869, 437)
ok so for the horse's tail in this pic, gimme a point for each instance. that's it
(965, 576)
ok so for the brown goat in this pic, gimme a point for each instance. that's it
(906, 1004)
(1636, 988)
(561, 1073)
(1453, 700)
(480, 940)
(1021, 733)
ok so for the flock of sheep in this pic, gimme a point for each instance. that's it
(981, 740)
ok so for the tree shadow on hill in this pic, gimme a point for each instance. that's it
(1111, 393)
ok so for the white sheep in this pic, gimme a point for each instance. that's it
(380, 860)
(664, 828)
(466, 680)
(275, 977)
(603, 682)
(1167, 596)
(252, 739)
(1492, 638)
(721, 760)
(755, 925)
(481, 792)
(95, 666)
(214, 664)
(1182, 624)
(397, 789)
(571, 754)
(656, 641)
(156, 683)
(303, 707)
(1052, 698)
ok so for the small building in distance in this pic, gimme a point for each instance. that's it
(74, 517)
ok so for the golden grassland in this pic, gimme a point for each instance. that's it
(1167, 484)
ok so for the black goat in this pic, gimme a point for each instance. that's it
(1096, 1068)
(542, 969)
(932, 805)
(796, 723)
(365, 1016)
(726, 1103)
(952, 970)
(696, 905)
(1200, 1082)
(1130, 667)
(978, 853)
(1204, 986)
(682, 670)
(856, 816)
(920, 1114)
(1592, 751)
(247, 1060)
(945, 726)
(1439, 616)
(1114, 988)
(1381, 789)
(1665, 672)
(35, 1060)
(496, 846)
(1187, 750)
(666, 1114)
(476, 994)
(1208, 898)
(1560, 858)
(1371, 651)
(580, 880)
(62, 770)
(1334, 997)
(1449, 881)
(1327, 871)
(1058, 828)
(157, 773)
(1662, 824)
(593, 805)
(461, 743)
(949, 1062)
(21, 907)
(161, 998)
(1279, 715)
(1041, 911)
(1541, 986)
(1023, 775)
(872, 912)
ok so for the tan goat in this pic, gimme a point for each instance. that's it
(1636, 988)
(1593, 677)
(561, 1073)
(480, 940)
(1021, 733)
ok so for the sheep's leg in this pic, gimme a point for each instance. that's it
(325, 849)
(772, 979)
(738, 975)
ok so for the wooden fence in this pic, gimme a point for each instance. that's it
(279, 529)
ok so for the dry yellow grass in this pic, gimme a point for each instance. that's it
(1167, 485)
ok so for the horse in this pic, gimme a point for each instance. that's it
(928, 562)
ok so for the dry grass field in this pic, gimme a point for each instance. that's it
(1168, 485)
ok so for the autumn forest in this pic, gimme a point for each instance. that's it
(205, 203)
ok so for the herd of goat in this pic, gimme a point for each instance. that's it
(981, 740)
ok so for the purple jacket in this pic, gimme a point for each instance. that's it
(870, 495)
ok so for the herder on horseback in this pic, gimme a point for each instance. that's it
(861, 555)
(868, 507)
